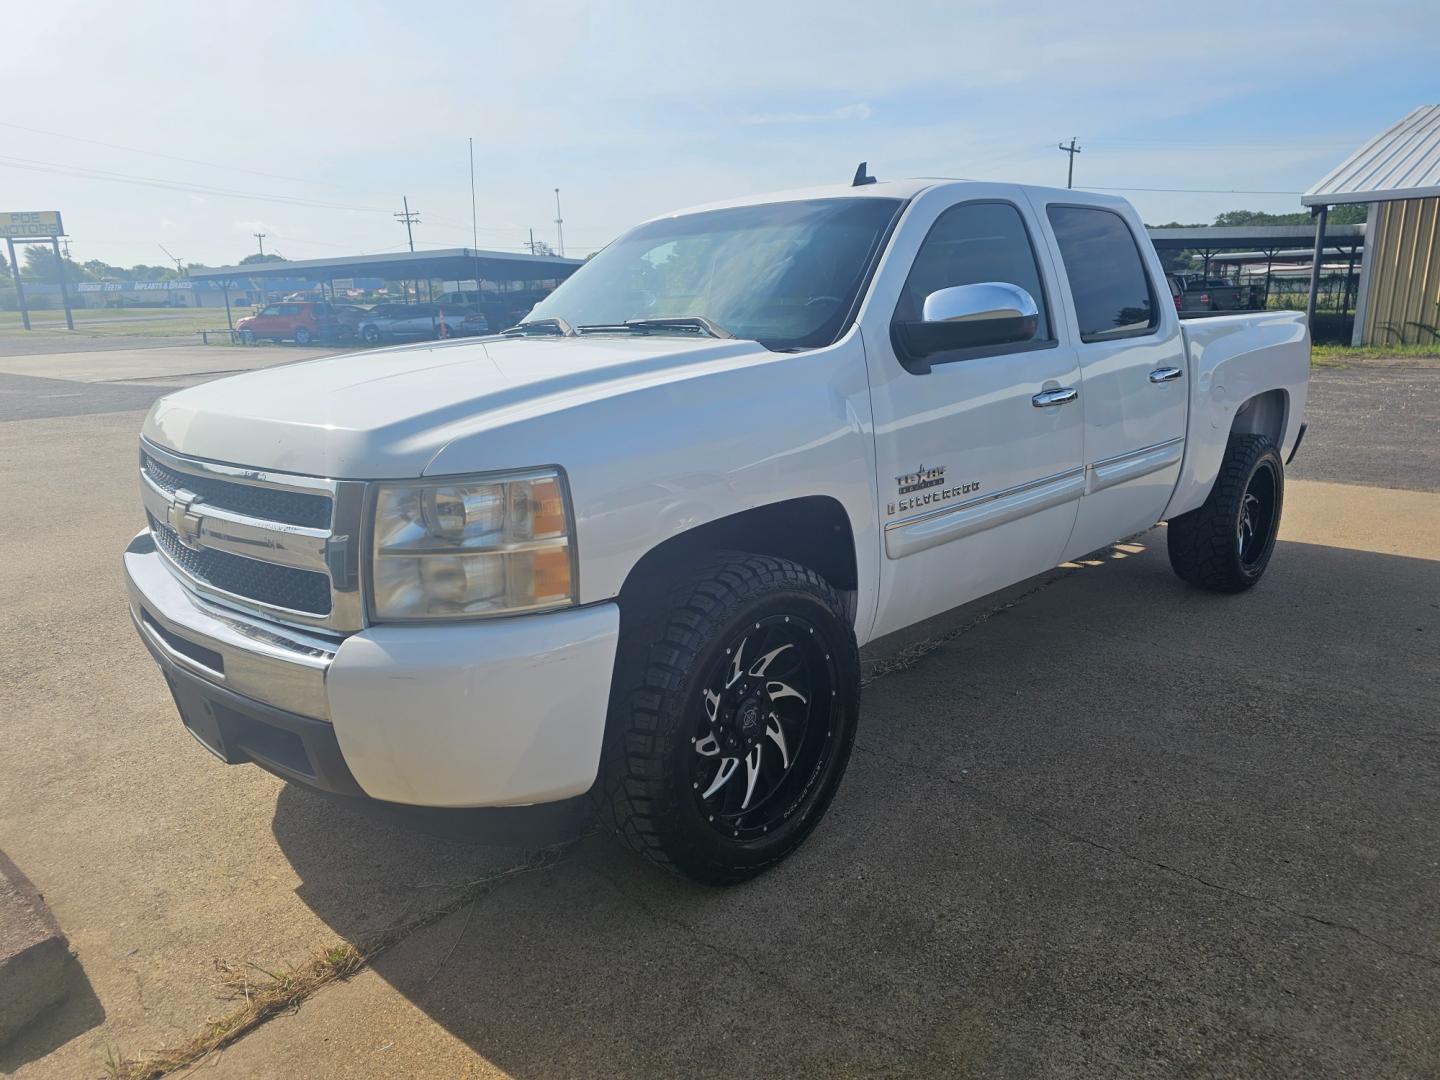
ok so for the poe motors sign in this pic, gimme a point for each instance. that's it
(30, 224)
(35, 225)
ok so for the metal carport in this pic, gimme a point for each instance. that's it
(446, 264)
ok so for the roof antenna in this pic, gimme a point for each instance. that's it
(861, 177)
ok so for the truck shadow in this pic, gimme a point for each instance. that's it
(77, 1013)
(1119, 827)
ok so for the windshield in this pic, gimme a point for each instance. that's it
(783, 274)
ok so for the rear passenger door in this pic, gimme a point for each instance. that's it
(1132, 363)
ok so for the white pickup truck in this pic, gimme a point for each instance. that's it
(625, 553)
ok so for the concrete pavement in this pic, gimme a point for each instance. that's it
(1118, 828)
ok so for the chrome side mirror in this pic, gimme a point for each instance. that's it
(971, 316)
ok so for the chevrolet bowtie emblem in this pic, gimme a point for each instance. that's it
(184, 520)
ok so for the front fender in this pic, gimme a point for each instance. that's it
(662, 458)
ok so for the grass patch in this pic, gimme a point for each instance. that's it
(1331, 355)
(261, 994)
(126, 322)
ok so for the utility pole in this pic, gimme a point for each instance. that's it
(261, 237)
(559, 224)
(531, 245)
(409, 217)
(65, 242)
(179, 269)
(1072, 150)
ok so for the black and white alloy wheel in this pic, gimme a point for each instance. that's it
(764, 732)
(732, 715)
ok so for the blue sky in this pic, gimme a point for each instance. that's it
(310, 121)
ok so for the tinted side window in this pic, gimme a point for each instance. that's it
(1106, 275)
(968, 244)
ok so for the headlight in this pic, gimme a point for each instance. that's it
(459, 549)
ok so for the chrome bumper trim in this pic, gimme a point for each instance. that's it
(278, 665)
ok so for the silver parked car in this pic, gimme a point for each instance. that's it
(396, 322)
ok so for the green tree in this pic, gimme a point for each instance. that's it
(103, 271)
(40, 266)
(1345, 214)
(256, 257)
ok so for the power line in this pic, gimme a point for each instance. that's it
(81, 172)
(1193, 191)
(175, 157)
(1103, 187)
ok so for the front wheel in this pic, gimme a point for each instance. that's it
(247, 337)
(302, 336)
(1226, 544)
(370, 335)
(732, 719)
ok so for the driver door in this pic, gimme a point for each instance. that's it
(979, 451)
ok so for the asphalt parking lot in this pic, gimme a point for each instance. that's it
(1100, 825)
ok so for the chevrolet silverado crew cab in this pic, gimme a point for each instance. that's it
(624, 554)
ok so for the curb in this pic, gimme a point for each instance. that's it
(33, 952)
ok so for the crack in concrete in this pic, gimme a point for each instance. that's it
(1000, 809)
(755, 970)
(1264, 901)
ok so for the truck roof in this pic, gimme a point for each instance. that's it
(888, 189)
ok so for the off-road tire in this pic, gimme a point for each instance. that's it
(1203, 543)
(667, 649)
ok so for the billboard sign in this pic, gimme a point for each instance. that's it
(30, 224)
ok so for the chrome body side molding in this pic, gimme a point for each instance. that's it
(1134, 464)
(942, 525)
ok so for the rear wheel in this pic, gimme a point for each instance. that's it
(1226, 544)
(732, 720)
(302, 336)
(370, 335)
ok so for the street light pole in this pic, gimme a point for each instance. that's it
(559, 224)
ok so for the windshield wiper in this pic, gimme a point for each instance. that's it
(552, 327)
(644, 326)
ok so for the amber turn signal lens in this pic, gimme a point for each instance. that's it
(550, 574)
(547, 508)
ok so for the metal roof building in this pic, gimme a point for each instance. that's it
(1398, 174)
(444, 264)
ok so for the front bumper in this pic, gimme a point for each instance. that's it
(477, 714)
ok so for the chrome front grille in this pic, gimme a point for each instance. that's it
(279, 545)
(291, 507)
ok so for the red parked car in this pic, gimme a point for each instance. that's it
(294, 320)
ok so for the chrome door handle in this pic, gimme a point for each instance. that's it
(1165, 374)
(1061, 396)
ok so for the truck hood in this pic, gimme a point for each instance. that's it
(386, 413)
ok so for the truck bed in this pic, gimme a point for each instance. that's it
(1248, 371)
